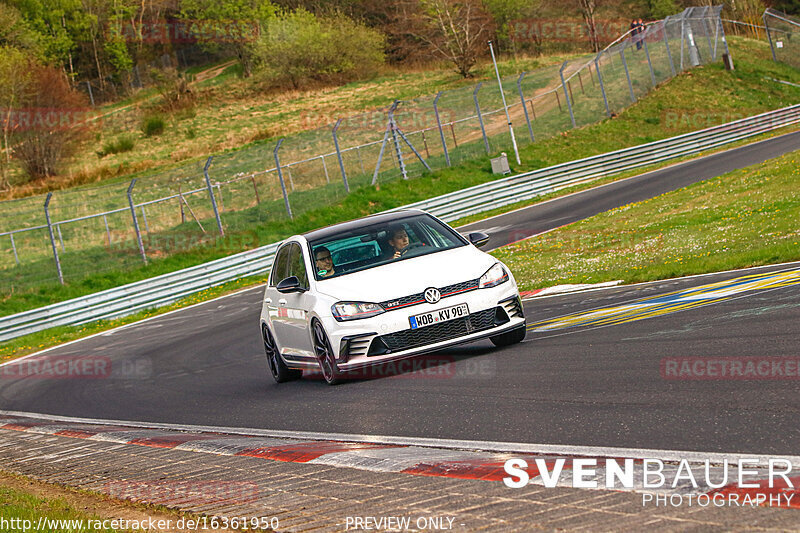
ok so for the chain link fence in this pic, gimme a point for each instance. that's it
(783, 33)
(124, 225)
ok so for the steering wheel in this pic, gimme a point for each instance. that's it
(411, 247)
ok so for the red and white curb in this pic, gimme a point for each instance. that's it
(714, 475)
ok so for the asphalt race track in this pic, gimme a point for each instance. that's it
(581, 381)
(524, 223)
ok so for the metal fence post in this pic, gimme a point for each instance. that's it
(136, 221)
(380, 153)
(769, 37)
(683, 35)
(647, 54)
(14, 247)
(60, 237)
(439, 125)
(91, 96)
(108, 231)
(144, 217)
(398, 152)
(566, 94)
(480, 117)
(505, 106)
(211, 194)
(524, 107)
(416, 153)
(666, 43)
(705, 31)
(600, 81)
(325, 169)
(722, 30)
(255, 190)
(627, 74)
(280, 177)
(339, 155)
(52, 236)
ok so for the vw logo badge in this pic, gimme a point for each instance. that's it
(432, 295)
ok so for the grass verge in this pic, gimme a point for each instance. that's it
(23, 511)
(44, 504)
(742, 219)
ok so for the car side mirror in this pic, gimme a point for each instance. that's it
(478, 238)
(290, 284)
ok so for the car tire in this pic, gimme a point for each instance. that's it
(510, 337)
(325, 355)
(280, 372)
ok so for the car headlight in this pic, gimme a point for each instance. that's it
(343, 311)
(493, 277)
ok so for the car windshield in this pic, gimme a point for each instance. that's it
(380, 244)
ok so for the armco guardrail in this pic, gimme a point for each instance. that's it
(168, 288)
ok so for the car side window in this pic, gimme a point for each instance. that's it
(297, 266)
(280, 267)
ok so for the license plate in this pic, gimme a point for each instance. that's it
(442, 315)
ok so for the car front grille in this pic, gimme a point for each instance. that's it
(418, 298)
(452, 329)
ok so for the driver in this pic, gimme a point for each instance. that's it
(324, 262)
(398, 240)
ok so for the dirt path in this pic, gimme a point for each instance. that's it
(212, 72)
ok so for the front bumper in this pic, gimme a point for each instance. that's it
(388, 337)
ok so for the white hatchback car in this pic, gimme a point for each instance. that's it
(382, 288)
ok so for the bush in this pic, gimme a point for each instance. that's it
(117, 146)
(173, 88)
(58, 122)
(153, 125)
(300, 46)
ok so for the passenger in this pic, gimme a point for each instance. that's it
(324, 262)
(398, 240)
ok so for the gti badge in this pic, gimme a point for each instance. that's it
(432, 295)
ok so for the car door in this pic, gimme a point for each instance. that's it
(280, 271)
(292, 323)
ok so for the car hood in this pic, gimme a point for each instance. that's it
(409, 276)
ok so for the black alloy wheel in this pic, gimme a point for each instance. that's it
(325, 356)
(280, 372)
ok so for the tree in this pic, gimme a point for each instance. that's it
(504, 13)
(241, 19)
(659, 9)
(51, 122)
(61, 23)
(588, 8)
(15, 32)
(15, 88)
(300, 46)
(790, 7)
(456, 30)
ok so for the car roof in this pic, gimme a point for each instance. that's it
(355, 225)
